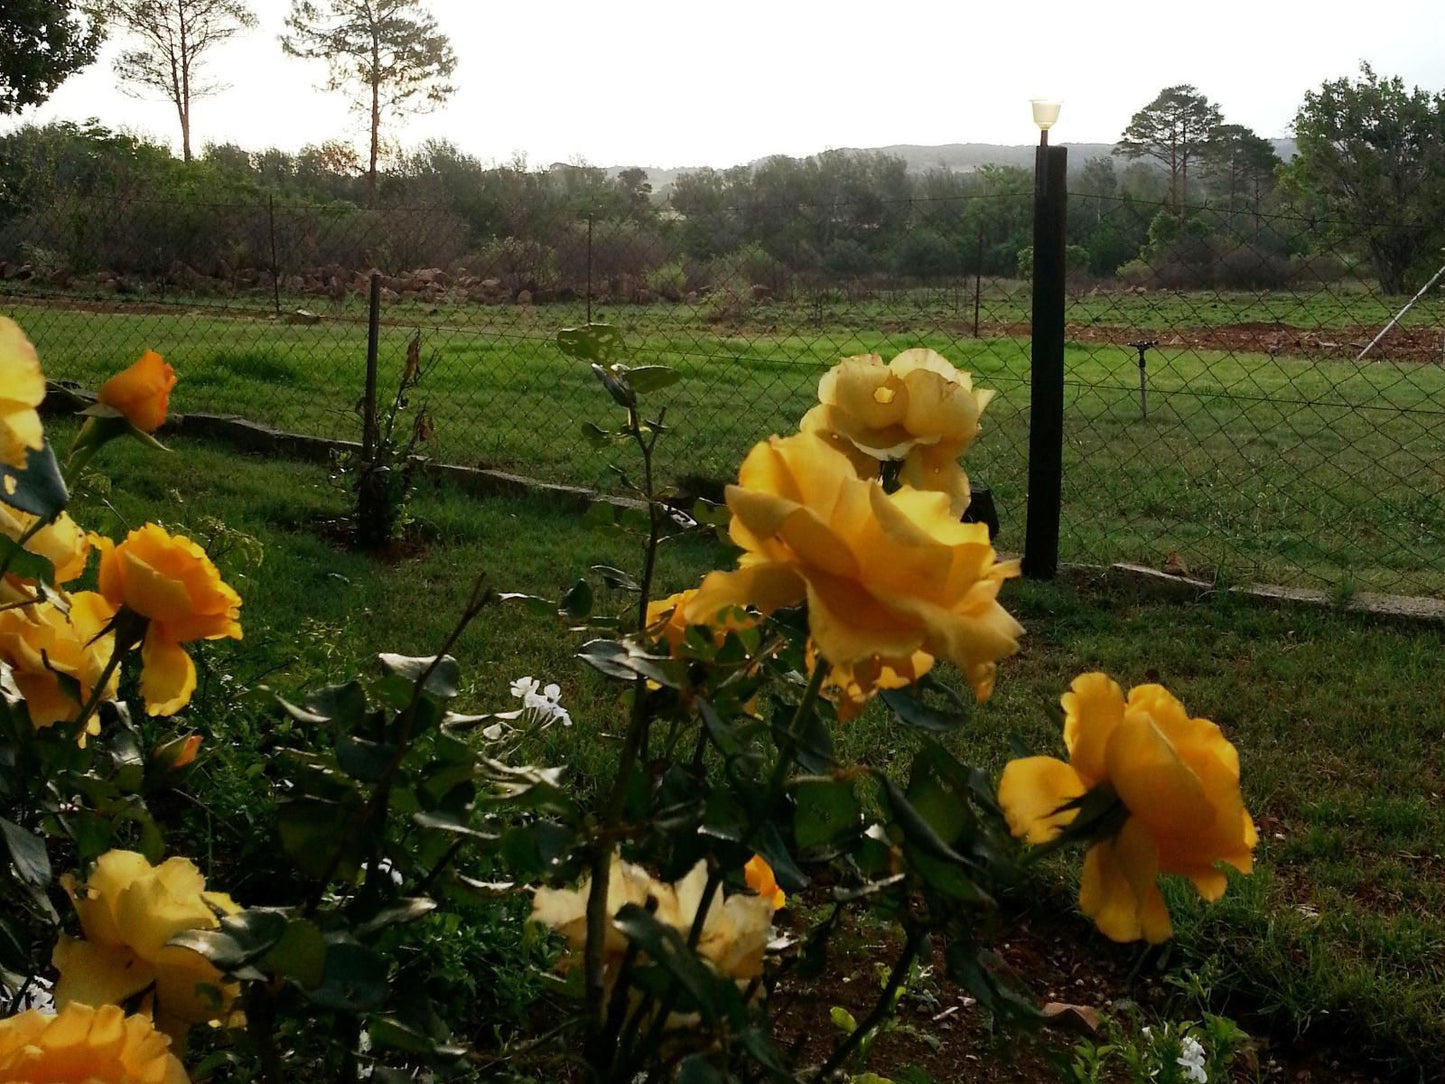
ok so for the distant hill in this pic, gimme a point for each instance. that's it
(962, 157)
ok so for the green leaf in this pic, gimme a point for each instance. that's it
(843, 1020)
(698, 1070)
(442, 682)
(353, 979)
(614, 379)
(241, 939)
(590, 342)
(343, 704)
(300, 954)
(406, 910)
(825, 813)
(13, 956)
(15, 559)
(27, 853)
(577, 602)
(909, 708)
(311, 829)
(646, 378)
(615, 578)
(596, 435)
(451, 822)
(38, 489)
(533, 604)
(365, 761)
(625, 660)
(771, 846)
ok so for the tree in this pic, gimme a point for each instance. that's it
(1172, 129)
(391, 49)
(41, 43)
(1372, 154)
(1240, 165)
(171, 38)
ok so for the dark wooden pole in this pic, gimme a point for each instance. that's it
(373, 337)
(1046, 408)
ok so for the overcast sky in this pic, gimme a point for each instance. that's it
(676, 83)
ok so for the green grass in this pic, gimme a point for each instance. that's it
(1337, 718)
(1275, 469)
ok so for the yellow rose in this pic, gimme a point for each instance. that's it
(22, 388)
(667, 621)
(886, 576)
(142, 392)
(917, 408)
(1178, 780)
(84, 1045)
(128, 910)
(759, 876)
(734, 935)
(42, 644)
(170, 582)
(61, 542)
(852, 685)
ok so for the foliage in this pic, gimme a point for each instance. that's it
(42, 42)
(1173, 129)
(170, 39)
(1372, 154)
(390, 50)
(381, 476)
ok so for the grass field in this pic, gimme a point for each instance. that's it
(1275, 468)
(1340, 933)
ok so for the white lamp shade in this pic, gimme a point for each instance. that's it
(1046, 112)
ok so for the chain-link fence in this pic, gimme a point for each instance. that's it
(1218, 415)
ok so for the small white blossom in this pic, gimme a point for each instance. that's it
(493, 732)
(1192, 1060)
(524, 688)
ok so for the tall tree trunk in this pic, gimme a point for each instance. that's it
(185, 95)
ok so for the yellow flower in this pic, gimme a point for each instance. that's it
(142, 392)
(22, 388)
(171, 582)
(851, 685)
(759, 876)
(60, 542)
(128, 910)
(42, 644)
(917, 408)
(84, 1045)
(667, 621)
(1178, 780)
(887, 577)
(734, 935)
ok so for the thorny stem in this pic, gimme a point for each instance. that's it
(381, 794)
(882, 1007)
(632, 745)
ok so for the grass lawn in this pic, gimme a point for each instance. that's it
(1337, 719)
(1271, 468)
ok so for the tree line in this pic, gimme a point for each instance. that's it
(1187, 199)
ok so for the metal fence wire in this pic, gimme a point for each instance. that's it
(1219, 417)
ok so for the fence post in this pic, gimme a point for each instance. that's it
(589, 267)
(1046, 407)
(275, 270)
(977, 278)
(368, 402)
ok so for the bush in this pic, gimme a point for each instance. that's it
(669, 281)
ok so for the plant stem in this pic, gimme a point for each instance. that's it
(634, 742)
(381, 794)
(261, 1029)
(130, 630)
(912, 943)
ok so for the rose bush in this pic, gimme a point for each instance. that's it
(393, 836)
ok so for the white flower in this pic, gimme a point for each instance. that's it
(524, 688)
(1192, 1060)
(493, 732)
(553, 693)
(562, 715)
